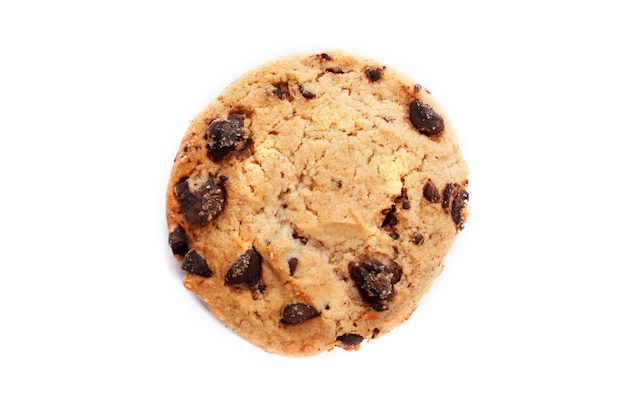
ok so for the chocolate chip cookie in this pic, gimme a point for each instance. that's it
(312, 203)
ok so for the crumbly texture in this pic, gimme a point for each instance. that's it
(313, 202)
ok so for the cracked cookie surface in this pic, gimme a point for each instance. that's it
(313, 202)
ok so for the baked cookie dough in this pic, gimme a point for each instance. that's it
(313, 202)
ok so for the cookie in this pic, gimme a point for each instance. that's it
(312, 203)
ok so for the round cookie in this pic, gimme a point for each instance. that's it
(313, 202)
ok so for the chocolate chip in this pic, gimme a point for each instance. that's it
(302, 239)
(390, 221)
(225, 136)
(297, 313)
(195, 264)
(390, 217)
(454, 201)
(431, 193)
(293, 264)
(326, 57)
(418, 239)
(246, 269)
(203, 204)
(350, 339)
(458, 205)
(375, 281)
(306, 93)
(281, 90)
(334, 70)
(425, 119)
(374, 74)
(403, 200)
(177, 240)
(449, 193)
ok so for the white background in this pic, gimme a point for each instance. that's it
(527, 319)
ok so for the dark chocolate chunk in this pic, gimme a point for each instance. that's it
(195, 264)
(425, 119)
(374, 74)
(334, 70)
(326, 57)
(246, 269)
(458, 204)
(225, 136)
(375, 281)
(418, 239)
(202, 205)
(177, 240)
(431, 193)
(306, 93)
(350, 339)
(293, 264)
(297, 313)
